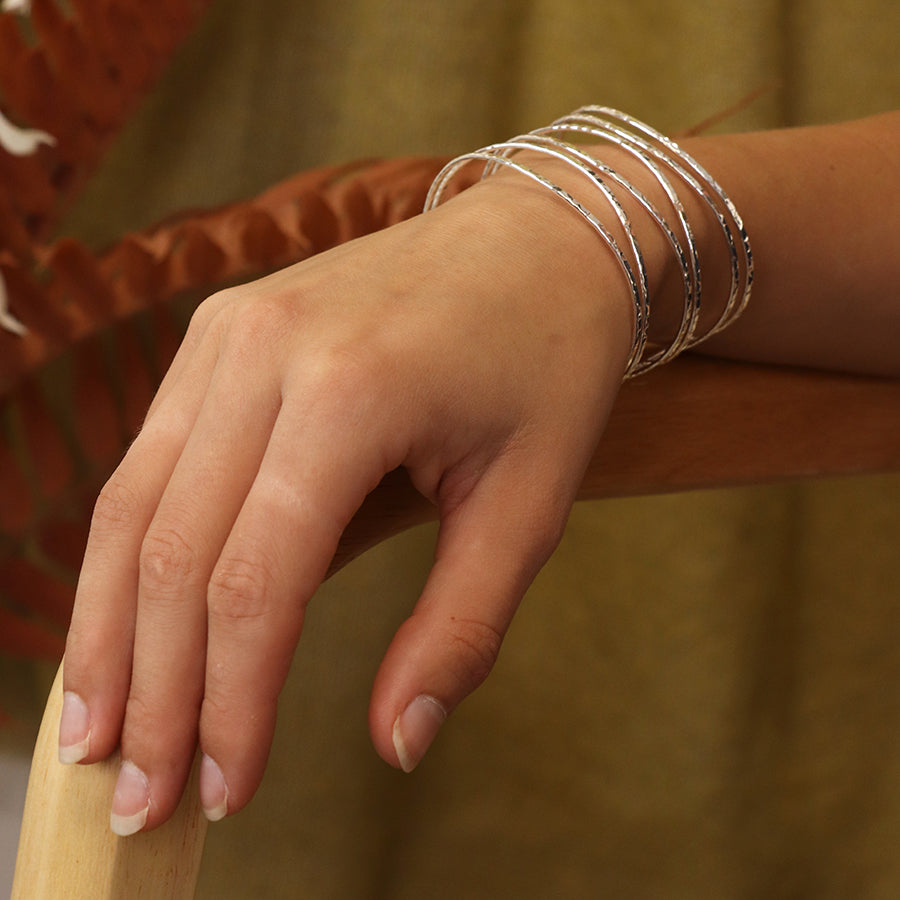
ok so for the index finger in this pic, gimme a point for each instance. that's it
(97, 669)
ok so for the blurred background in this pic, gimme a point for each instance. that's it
(701, 694)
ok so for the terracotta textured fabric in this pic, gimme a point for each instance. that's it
(701, 694)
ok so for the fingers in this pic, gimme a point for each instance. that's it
(241, 537)
(98, 660)
(205, 547)
(269, 431)
(276, 556)
(177, 556)
(489, 550)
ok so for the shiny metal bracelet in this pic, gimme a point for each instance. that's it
(665, 161)
(688, 260)
(586, 166)
(493, 157)
(619, 128)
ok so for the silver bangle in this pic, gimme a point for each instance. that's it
(587, 166)
(493, 157)
(639, 134)
(660, 156)
(688, 261)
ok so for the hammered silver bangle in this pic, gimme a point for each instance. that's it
(637, 134)
(492, 157)
(688, 260)
(665, 161)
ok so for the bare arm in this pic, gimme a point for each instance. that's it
(480, 347)
(822, 206)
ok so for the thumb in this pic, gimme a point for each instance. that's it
(489, 549)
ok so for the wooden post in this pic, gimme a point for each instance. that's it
(66, 848)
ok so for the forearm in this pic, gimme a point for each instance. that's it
(822, 207)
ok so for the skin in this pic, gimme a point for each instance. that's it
(481, 346)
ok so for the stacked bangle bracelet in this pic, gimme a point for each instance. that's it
(672, 169)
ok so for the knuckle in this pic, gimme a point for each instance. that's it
(217, 707)
(203, 317)
(137, 712)
(210, 308)
(474, 646)
(150, 727)
(257, 320)
(139, 723)
(118, 504)
(167, 560)
(346, 377)
(240, 588)
(220, 300)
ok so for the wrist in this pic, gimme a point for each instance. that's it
(654, 209)
(582, 267)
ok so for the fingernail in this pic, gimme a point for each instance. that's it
(415, 729)
(131, 801)
(74, 729)
(213, 790)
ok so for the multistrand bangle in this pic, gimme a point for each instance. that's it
(493, 156)
(638, 138)
(666, 162)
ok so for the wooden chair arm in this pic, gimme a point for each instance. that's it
(703, 423)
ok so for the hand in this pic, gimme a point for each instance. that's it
(480, 346)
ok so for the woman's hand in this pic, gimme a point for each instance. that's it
(480, 346)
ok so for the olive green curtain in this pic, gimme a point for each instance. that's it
(701, 694)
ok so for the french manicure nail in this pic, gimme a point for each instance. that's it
(415, 728)
(213, 790)
(131, 801)
(74, 729)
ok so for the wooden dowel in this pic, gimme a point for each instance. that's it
(702, 423)
(66, 848)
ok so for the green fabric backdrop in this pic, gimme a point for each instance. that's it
(701, 695)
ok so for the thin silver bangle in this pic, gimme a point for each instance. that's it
(560, 152)
(689, 170)
(660, 156)
(687, 262)
(492, 155)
